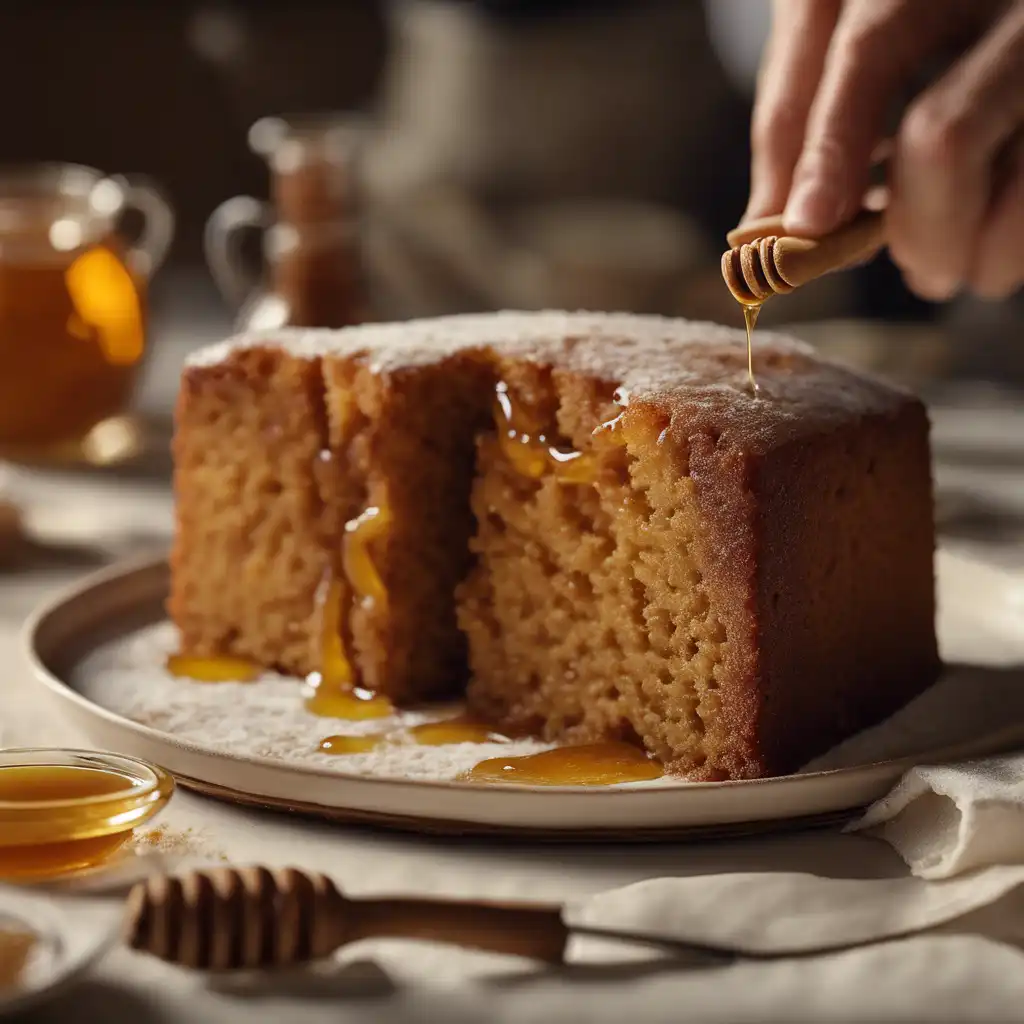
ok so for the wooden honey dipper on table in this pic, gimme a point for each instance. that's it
(225, 919)
(244, 918)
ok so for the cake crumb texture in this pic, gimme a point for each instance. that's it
(734, 608)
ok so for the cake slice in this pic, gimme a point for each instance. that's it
(736, 582)
(629, 543)
(314, 480)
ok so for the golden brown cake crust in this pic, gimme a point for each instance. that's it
(697, 370)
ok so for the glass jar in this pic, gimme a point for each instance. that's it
(72, 302)
(312, 273)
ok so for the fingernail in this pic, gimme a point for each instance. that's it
(807, 212)
(813, 207)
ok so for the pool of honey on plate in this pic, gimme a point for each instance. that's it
(70, 837)
(592, 764)
(213, 669)
(598, 764)
(459, 729)
(595, 764)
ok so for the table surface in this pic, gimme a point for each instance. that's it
(82, 522)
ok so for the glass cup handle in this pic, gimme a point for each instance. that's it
(148, 253)
(222, 243)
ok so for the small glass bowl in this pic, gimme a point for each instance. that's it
(51, 832)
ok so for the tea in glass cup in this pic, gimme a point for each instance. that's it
(72, 304)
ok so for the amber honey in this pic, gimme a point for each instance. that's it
(350, 744)
(354, 705)
(526, 447)
(461, 729)
(334, 693)
(750, 314)
(214, 669)
(64, 811)
(335, 669)
(361, 572)
(596, 764)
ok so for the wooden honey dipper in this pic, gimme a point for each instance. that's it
(224, 919)
(244, 918)
(763, 261)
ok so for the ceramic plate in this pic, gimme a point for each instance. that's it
(69, 937)
(99, 648)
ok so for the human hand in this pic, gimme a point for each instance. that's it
(832, 70)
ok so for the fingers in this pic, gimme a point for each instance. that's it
(998, 266)
(790, 73)
(942, 201)
(877, 47)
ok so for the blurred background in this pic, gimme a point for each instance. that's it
(336, 161)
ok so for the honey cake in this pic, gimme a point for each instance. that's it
(653, 553)
(282, 460)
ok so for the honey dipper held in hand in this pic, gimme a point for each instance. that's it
(762, 262)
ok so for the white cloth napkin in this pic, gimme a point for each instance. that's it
(947, 820)
(794, 914)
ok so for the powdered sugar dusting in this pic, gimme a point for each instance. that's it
(265, 718)
(551, 333)
(696, 371)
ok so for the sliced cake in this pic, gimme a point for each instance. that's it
(630, 543)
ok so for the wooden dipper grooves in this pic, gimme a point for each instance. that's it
(764, 262)
(244, 918)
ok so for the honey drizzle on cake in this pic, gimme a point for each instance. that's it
(751, 311)
(694, 376)
(361, 573)
(526, 446)
(335, 694)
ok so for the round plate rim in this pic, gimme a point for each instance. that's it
(122, 572)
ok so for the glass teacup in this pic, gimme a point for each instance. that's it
(72, 304)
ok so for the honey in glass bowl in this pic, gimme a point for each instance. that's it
(63, 811)
(72, 303)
